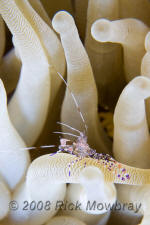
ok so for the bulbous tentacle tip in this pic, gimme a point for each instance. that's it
(101, 30)
(141, 87)
(92, 177)
(62, 22)
(141, 82)
(91, 174)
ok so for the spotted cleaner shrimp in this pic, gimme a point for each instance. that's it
(81, 149)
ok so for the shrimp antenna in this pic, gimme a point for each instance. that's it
(72, 128)
(29, 148)
(59, 132)
(47, 146)
(75, 101)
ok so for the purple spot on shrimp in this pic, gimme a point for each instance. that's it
(127, 176)
(69, 173)
(123, 170)
(118, 175)
(122, 178)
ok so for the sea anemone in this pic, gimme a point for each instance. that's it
(90, 64)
